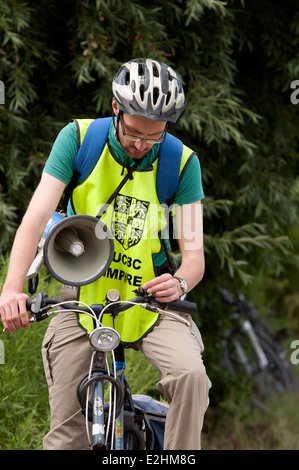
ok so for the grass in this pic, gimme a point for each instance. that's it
(23, 391)
(276, 429)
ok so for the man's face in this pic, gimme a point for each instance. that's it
(140, 128)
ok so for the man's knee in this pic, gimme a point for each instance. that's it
(186, 384)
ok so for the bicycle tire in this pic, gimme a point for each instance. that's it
(265, 383)
(264, 333)
(133, 438)
(133, 430)
(133, 435)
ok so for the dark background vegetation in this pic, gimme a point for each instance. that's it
(237, 60)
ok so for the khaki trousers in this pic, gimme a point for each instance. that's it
(172, 347)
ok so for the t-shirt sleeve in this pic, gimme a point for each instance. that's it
(60, 161)
(190, 186)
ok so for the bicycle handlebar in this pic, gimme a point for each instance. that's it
(38, 305)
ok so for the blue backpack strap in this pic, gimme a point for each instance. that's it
(168, 171)
(91, 147)
(88, 153)
(167, 183)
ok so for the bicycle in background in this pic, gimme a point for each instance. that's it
(250, 346)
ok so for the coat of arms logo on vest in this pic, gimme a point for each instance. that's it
(128, 220)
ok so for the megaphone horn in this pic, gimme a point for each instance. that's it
(68, 240)
(78, 249)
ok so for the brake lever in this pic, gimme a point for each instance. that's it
(140, 292)
(34, 305)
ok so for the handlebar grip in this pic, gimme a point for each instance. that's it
(183, 306)
(28, 304)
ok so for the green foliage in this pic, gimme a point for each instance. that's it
(237, 60)
(281, 293)
(255, 430)
(23, 413)
(23, 391)
(24, 405)
(57, 61)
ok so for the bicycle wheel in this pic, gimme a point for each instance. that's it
(266, 381)
(133, 436)
(133, 433)
(266, 334)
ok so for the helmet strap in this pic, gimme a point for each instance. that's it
(116, 124)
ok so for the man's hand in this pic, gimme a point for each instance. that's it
(164, 288)
(13, 310)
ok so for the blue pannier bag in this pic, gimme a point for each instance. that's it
(154, 414)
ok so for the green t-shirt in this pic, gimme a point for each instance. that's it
(60, 163)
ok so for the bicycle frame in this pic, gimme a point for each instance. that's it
(119, 423)
(98, 422)
(247, 327)
(249, 331)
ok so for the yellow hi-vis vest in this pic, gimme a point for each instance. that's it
(135, 219)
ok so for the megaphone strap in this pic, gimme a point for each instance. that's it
(129, 175)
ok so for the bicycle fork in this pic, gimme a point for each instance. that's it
(262, 358)
(98, 421)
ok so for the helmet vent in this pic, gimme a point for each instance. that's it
(155, 95)
(155, 70)
(168, 97)
(141, 89)
(140, 70)
(127, 78)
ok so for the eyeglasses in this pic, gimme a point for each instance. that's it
(134, 138)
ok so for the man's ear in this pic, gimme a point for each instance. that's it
(115, 107)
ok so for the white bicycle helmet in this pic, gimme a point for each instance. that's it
(149, 89)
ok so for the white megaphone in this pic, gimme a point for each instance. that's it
(76, 250)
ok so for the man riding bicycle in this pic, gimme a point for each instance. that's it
(147, 95)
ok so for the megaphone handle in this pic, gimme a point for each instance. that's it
(32, 284)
